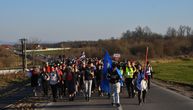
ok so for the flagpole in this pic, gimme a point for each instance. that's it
(146, 59)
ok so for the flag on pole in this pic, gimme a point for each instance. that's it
(107, 64)
(119, 73)
(121, 76)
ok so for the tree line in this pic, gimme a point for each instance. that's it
(132, 44)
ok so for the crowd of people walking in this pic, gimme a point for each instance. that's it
(68, 77)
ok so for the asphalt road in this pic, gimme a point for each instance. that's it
(15, 96)
(157, 99)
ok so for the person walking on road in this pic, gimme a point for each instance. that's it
(44, 81)
(88, 76)
(114, 79)
(35, 79)
(141, 85)
(128, 73)
(54, 80)
(60, 84)
(70, 81)
(99, 77)
(149, 72)
(63, 78)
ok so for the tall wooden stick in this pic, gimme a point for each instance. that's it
(146, 60)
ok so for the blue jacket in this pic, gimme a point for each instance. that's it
(140, 77)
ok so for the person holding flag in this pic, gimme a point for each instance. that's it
(140, 84)
(115, 85)
(148, 69)
(112, 78)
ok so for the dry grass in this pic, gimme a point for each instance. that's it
(8, 58)
(11, 79)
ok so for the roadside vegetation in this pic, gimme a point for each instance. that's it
(11, 83)
(132, 44)
(8, 59)
(12, 78)
(177, 71)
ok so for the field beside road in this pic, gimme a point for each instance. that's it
(179, 71)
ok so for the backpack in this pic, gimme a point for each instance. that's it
(69, 76)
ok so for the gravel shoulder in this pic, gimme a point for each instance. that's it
(184, 89)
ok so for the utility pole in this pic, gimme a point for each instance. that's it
(23, 51)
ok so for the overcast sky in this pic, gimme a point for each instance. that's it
(64, 20)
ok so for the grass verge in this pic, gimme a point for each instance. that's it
(179, 71)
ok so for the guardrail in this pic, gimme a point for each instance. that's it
(10, 71)
(47, 49)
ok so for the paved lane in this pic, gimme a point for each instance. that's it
(157, 99)
(19, 94)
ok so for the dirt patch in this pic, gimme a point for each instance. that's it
(184, 89)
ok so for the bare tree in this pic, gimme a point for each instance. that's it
(171, 32)
(192, 33)
(147, 31)
(181, 31)
(139, 32)
(126, 34)
(188, 31)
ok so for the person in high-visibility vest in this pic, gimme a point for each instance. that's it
(128, 74)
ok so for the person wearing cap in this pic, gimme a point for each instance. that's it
(114, 79)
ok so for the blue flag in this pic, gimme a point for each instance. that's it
(107, 64)
(119, 72)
